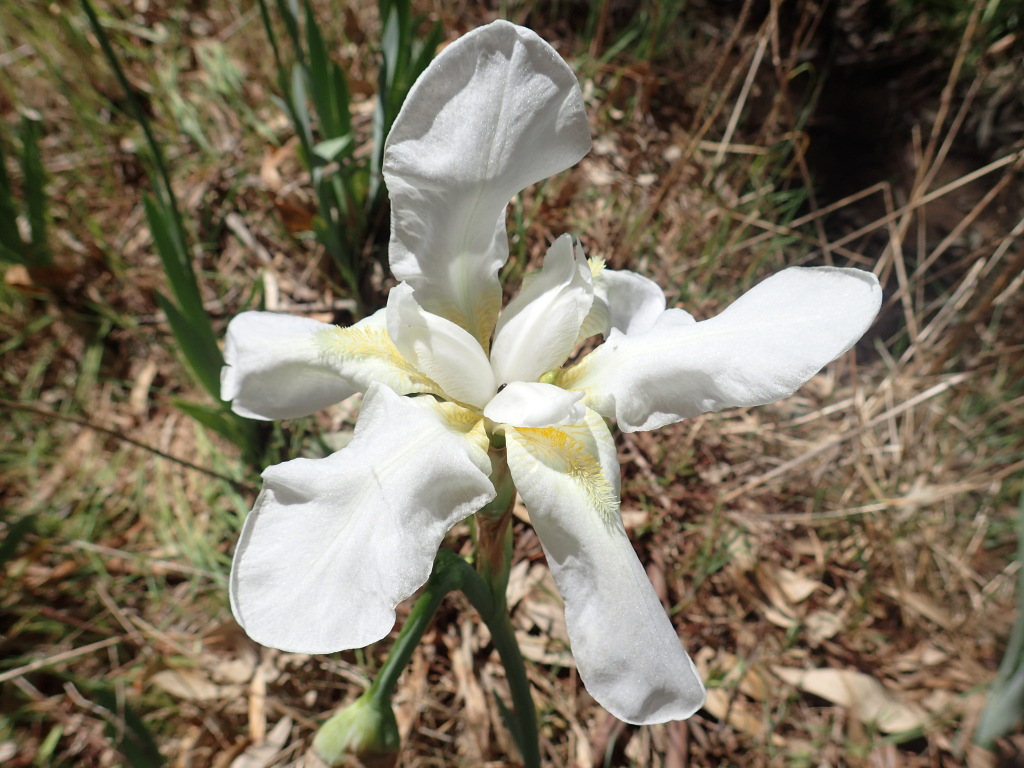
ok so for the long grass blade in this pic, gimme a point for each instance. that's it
(10, 238)
(34, 190)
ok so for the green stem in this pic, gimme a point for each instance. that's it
(452, 572)
(443, 579)
(495, 616)
(525, 724)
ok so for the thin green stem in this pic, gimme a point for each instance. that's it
(452, 569)
(443, 579)
(504, 638)
(452, 572)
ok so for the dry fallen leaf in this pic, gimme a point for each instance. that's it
(783, 587)
(796, 586)
(193, 685)
(920, 604)
(262, 754)
(865, 697)
(737, 712)
(823, 625)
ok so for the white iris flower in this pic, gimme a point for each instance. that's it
(333, 545)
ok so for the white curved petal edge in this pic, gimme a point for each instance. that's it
(627, 651)
(623, 300)
(532, 404)
(538, 329)
(333, 545)
(468, 425)
(274, 368)
(440, 349)
(635, 302)
(496, 111)
(762, 348)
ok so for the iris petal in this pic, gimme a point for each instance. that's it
(439, 348)
(333, 545)
(627, 651)
(539, 327)
(761, 349)
(496, 111)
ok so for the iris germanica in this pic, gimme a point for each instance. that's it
(461, 395)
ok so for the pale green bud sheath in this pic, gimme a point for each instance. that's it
(493, 531)
(365, 730)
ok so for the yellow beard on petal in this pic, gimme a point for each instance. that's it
(375, 358)
(558, 449)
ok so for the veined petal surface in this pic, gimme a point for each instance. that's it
(538, 329)
(627, 651)
(333, 545)
(532, 404)
(274, 368)
(762, 348)
(440, 349)
(496, 111)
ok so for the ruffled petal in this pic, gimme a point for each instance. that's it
(532, 404)
(538, 329)
(760, 349)
(496, 111)
(440, 349)
(333, 545)
(626, 649)
(274, 368)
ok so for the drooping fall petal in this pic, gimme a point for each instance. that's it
(284, 367)
(627, 651)
(496, 111)
(762, 348)
(274, 369)
(333, 545)
(365, 354)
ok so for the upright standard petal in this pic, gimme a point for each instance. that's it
(538, 329)
(496, 111)
(626, 649)
(439, 348)
(762, 348)
(333, 545)
(274, 368)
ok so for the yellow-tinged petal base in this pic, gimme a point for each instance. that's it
(558, 448)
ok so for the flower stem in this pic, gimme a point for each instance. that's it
(484, 585)
(441, 582)
(486, 589)
(524, 726)
(494, 532)
(495, 615)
